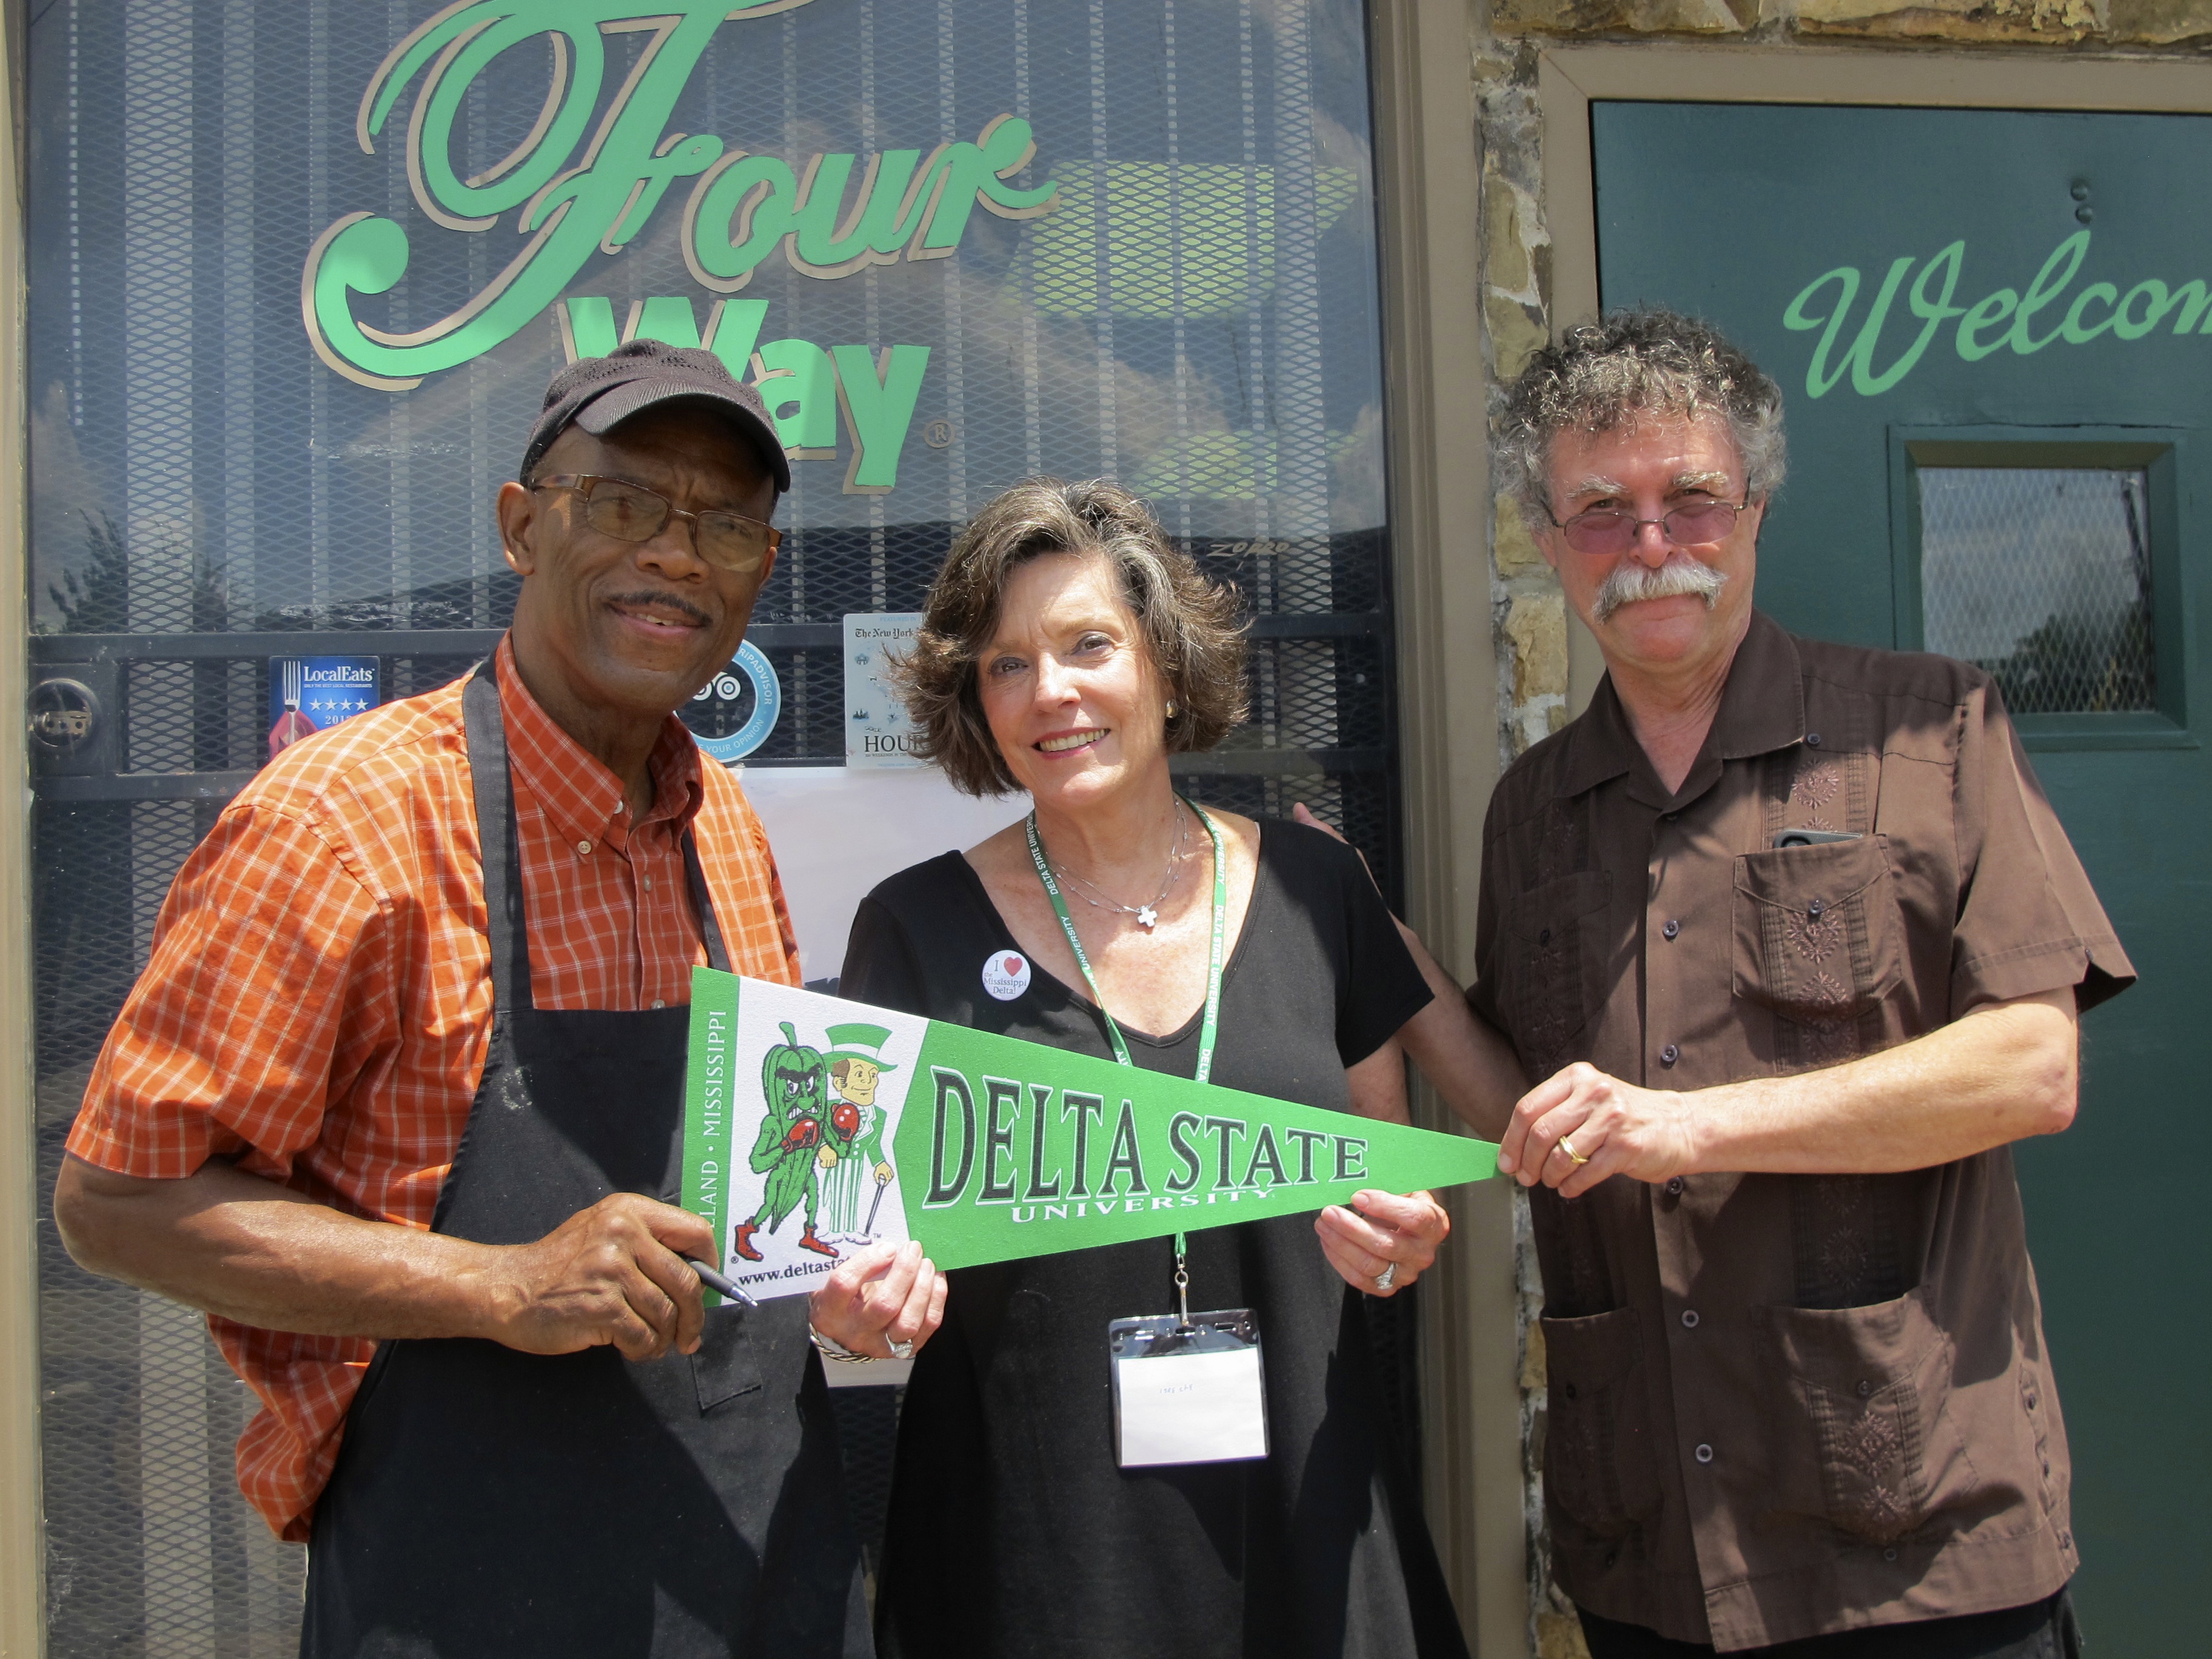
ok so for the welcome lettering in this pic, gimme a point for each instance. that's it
(2023, 321)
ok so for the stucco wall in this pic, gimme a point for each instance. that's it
(1517, 289)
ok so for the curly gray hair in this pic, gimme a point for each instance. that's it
(1606, 375)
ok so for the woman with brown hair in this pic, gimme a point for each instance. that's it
(1067, 650)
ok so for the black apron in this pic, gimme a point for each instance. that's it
(489, 1503)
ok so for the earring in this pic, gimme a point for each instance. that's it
(1172, 711)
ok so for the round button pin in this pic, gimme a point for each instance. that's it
(1005, 974)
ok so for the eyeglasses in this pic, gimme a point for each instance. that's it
(631, 513)
(1695, 524)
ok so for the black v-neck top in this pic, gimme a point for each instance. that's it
(1012, 1531)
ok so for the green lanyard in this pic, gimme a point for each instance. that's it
(1212, 1023)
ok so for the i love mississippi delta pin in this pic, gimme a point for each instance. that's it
(1005, 974)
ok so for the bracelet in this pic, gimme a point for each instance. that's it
(831, 1348)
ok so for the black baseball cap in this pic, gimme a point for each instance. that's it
(600, 393)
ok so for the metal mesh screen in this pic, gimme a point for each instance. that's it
(2042, 575)
(1196, 315)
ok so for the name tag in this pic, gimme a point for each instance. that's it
(1188, 1394)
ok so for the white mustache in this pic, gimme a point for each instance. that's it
(1630, 583)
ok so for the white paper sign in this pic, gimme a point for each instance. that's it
(838, 831)
(878, 736)
(1192, 1408)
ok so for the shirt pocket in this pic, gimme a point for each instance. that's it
(1863, 1438)
(1553, 970)
(1816, 928)
(725, 1365)
(1597, 1438)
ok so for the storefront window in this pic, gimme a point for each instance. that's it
(299, 273)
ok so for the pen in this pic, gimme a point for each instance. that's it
(714, 1281)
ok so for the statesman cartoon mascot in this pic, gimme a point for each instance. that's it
(856, 1064)
(799, 1135)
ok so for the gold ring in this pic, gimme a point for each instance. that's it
(1568, 1147)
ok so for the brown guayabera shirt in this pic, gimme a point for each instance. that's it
(1785, 1405)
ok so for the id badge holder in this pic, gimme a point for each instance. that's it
(1187, 1392)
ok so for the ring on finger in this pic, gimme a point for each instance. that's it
(1388, 1277)
(1568, 1147)
(900, 1350)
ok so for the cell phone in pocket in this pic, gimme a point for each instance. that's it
(1812, 837)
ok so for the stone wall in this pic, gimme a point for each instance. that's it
(1529, 616)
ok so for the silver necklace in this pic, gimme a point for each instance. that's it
(1147, 916)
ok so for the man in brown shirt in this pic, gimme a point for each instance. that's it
(1787, 937)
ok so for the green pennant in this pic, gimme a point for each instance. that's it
(815, 1126)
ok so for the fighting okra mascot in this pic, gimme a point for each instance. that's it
(799, 1132)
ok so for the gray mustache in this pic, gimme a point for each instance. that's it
(1630, 583)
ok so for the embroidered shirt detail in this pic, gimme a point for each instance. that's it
(1817, 939)
(1816, 787)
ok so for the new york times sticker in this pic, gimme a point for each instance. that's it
(1005, 974)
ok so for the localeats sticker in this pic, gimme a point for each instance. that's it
(1005, 974)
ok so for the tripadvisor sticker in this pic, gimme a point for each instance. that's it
(816, 1127)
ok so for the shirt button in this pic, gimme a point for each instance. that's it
(1865, 1388)
(1675, 1184)
(1689, 1319)
(1889, 1555)
(1812, 739)
(1703, 1454)
(648, 883)
(1672, 927)
(659, 1003)
(1544, 938)
(1814, 908)
(1670, 1054)
(583, 849)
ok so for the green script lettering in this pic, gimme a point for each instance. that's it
(743, 206)
(2004, 317)
(1990, 309)
(2072, 330)
(2050, 282)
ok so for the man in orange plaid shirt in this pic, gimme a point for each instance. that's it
(398, 1101)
